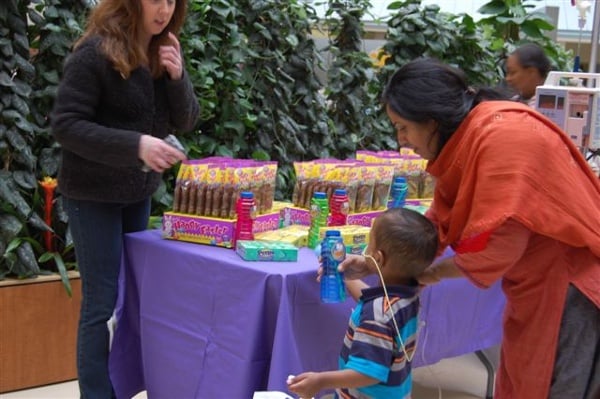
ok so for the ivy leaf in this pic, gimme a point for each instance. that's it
(10, 226)
(21, 41)
(24, 179)
(235, 125)
(531, 29)
(14, 138)
(22, 89)
(20, 105)
(9, 194)
(27, 257)
(6, 48)
(36, 221)
(224, 151)
(50, 13)
(35, 17)
(49, 161)
(5, 80)
(223, 11)
(62, 270)
(51, 77)
(292, 40)
(260, 155)
(24, 125)
(493, 7)
(396, 5)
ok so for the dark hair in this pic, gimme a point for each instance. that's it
(426, 89)
(407, 236)
(532, 55)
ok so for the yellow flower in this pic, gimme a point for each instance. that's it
(378, 56)
(48, 183)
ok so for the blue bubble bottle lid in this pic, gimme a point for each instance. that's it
(339, 191)
(332, 233)
(319, 195)
(246, 194)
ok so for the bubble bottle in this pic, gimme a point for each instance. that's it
(333, 252)
(398, 192)
(319, 211)
(245, 209)
(339, 207)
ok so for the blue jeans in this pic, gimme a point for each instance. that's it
(97, 229)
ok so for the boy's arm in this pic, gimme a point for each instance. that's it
(355, 287)
(307, 385)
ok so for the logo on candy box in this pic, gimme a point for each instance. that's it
(266, 223)
(197, 229)
(362, 220)
(185, 224)
(266, 254)
(213, 229)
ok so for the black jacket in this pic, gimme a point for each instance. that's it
(99, 117)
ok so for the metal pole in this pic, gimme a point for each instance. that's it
(594, 42)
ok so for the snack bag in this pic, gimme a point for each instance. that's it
(384, 173)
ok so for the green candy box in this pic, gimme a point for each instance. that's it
(269, 251)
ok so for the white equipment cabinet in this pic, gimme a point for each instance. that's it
(570, 99)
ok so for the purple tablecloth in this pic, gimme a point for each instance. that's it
(197, 321)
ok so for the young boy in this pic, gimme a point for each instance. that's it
(375, 360)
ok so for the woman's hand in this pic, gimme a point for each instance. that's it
(170, 58)
(158, 155)
(429, 276)
(446, 268)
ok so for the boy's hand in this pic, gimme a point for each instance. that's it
(305, 385)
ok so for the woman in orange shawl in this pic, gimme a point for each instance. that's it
(516, 201)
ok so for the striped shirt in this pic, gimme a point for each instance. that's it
(371, 345)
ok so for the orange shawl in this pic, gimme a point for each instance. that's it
(508, 161)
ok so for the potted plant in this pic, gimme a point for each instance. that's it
(39, 289)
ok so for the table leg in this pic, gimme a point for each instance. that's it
(491, 373)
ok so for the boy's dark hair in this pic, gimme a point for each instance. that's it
(407, 236)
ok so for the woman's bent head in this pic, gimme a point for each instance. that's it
(426, 101)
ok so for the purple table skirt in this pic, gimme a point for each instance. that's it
(197, 321)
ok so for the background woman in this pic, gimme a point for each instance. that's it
(124, 89)
(527, 68)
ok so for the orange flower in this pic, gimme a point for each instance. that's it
(48, 185)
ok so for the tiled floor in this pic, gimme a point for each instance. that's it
(462, 377)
